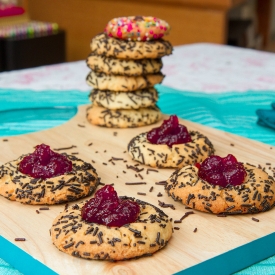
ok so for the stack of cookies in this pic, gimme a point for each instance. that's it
(125, 63)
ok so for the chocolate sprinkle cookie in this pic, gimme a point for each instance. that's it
(110, 65)
(255, 195)
(123, 118)
(78, 183)
(177, 156)
(121, 83)
(76, 237)
(124, 100)
(102, 44)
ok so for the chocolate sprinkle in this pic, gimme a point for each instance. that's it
(135, 183)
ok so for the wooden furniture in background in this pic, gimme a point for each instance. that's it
(191, 20)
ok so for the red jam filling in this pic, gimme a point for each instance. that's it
(169, 133)
(222, 171)
(108, 209)
(43, 163)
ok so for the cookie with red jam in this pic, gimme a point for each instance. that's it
(108, 227)
(170, 146)
(47, 177)
(222, 185)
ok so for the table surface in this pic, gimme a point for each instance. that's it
(216, 85)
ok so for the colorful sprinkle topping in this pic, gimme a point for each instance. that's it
(137, 28)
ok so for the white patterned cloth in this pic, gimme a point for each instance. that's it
(202, 67)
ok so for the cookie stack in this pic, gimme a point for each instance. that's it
(125, 63)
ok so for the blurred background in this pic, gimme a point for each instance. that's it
(34, 33)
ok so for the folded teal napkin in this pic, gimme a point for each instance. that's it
(266, 118)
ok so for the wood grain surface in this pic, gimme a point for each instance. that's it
(214, 235)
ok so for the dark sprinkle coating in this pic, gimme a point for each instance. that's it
(124, 118)
(124, 100)
(102, 44)
(78, 183)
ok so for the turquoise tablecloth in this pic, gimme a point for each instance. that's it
(233, 112)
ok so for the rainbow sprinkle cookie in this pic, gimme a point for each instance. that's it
(137, 28)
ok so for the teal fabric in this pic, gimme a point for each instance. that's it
(27, 111)
(241, 256)
(233, 112)
(18, 261)
(7, 269)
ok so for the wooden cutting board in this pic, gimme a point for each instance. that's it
(214, 236)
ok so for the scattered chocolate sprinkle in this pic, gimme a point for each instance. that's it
(20, 239)
(44, 208)
(151, 189)
(176, 228)
(113, 158)
(37, 211)
(161, 183)
(90, 144)
(231, 144)
(5, 140)
(65, 148)
(186, 215)
(140, 193)
(79, 125)
(221, 215)
(159, 195)
(255, 220)
(104, 163)
(135, 183)
(151, 170)
(195, 230)
(164, 205)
